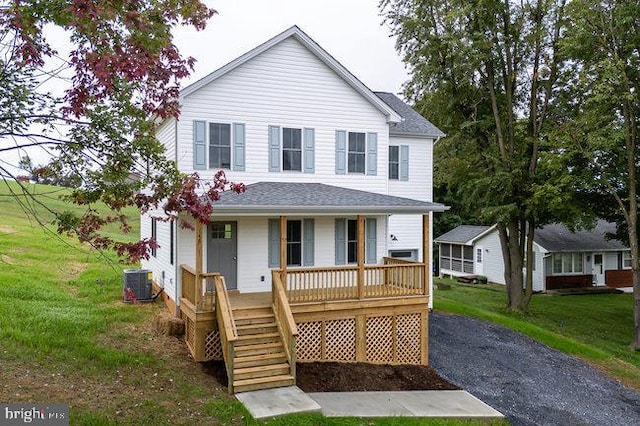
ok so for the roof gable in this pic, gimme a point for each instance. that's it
(412, 124)
(391, 115)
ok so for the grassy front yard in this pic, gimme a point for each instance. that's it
(596, 328)
(66, 337)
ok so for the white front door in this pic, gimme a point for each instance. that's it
(479, 261)
(598, 268)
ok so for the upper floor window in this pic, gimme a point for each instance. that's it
(394, 162)
(292, 149)
(222, 143)
(357, 153)
(219, 146)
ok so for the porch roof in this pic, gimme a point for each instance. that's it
(264, 198)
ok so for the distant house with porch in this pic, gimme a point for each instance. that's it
(327, 255)
(562, 258)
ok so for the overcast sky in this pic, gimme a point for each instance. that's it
(350, 30)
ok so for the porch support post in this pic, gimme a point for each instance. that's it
(360, 255)
(283, 249)
(198, 283)
(426, 251)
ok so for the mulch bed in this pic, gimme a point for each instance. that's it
(354, 376)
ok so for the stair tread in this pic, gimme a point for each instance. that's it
(257, 336)
(257, 380)
(244, 370)
(256, 325)
(260, 357)
(258, 346)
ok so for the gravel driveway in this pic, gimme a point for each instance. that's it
(527, 381)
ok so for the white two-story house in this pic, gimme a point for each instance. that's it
(339, 183)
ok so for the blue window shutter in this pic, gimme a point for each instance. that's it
(274, 243)
(309, 150)
(341, 241)
(404, 162)
(274, 148)
(371, 240)
(199, 145)
(308, 242)
(238, 147)
(341, 152)
(372, 154)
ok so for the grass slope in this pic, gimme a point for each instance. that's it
(596, 328)
(66, 337)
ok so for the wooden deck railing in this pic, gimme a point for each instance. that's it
(395, 279)
(226, 326)
(284, 318)
(198, 289)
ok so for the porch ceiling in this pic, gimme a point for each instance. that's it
(268, 198)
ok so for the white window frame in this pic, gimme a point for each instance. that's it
(626, 258)
(465, 262)
(395, 163)
(283, 149)
(209, 145)
(362, 154)
(567, 267)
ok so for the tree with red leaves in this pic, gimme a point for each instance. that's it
(123, 77)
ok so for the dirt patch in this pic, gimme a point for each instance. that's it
(72, 269)
(7, 230)
(354, 376)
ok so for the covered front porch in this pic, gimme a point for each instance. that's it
(368, 312)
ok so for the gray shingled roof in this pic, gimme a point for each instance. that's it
(462, 234)
(558, 238)
(306, 198)
(412, 124)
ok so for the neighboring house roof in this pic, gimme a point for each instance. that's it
(315, 198)
(412, 124)
(558, 238)
(313, 47)
(464, 234)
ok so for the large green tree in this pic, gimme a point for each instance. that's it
(487, 72)
(599, 140)
(120, 79)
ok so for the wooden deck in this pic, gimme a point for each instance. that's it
(249, 300)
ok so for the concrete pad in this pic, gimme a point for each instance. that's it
(407, 404)
(359, 404)
(276, 402)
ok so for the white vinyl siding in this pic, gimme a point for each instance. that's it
(492, 264)
(166, 135)
(163, 271)
(289, 87)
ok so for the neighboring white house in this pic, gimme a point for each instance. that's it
(312, 143)
(562, 258)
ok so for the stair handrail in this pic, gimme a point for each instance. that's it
(284, 318)
(226, 327)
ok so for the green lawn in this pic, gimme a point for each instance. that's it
(596, 328)
(66, 337)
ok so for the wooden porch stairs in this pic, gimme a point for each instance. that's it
(260, 360)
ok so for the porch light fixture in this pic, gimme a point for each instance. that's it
(394, 238)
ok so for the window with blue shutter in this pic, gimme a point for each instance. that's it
(309, 150)
(239, 139)
(404, 162)
(371, 235)
(341, 241)
(199, 145)
(274, 148)
(274, 243)
(341, 152)
(308, 242)
(372, 154)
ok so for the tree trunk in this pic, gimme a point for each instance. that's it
(635, 343)
(512, 255)
(528, 289)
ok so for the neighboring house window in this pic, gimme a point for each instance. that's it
(567, 263)
(394, 162)
(154, 235)
(171, 242)
(292, 149)
(479, 255)
(626, 260)
(300, 242)
(399, 162)
(219, 146)
(357, 153)
(294, 243)
(456, 257)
